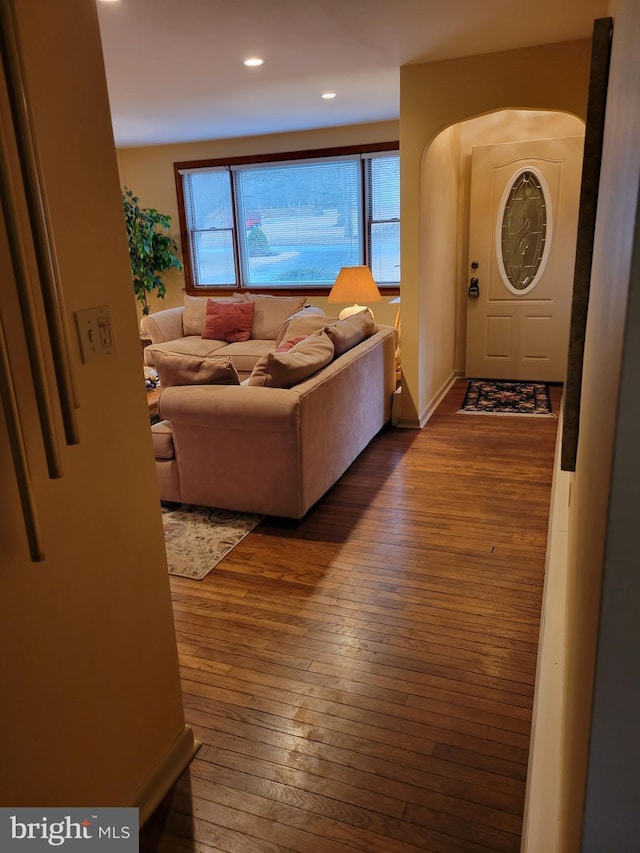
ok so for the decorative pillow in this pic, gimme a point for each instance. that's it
(287, 345)
(350, 331)
(286, 369)
(191, 370)
(231, 322)
(303, 324)
(271, 312)
(195, 312)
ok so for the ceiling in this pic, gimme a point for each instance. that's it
(175, 72)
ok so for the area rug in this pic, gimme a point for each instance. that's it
(197, 538)
(489, 397)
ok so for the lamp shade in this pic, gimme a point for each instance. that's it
(355, 284)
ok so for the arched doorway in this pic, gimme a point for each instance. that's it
(445, 174)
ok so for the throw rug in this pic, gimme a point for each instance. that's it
(488, 397)
(196, 538)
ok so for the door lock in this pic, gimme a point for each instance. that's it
(474, 289)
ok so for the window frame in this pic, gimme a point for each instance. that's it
(256, 159)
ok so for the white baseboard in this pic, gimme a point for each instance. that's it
(429, 409)
(166, 773)
(437, 398)
(541, 825)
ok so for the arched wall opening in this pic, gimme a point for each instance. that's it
(445, 176)
(446, 108)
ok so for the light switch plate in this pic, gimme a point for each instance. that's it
(95, 333)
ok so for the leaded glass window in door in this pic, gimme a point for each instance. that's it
(523, 231)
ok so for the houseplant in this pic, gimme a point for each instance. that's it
(151, 252)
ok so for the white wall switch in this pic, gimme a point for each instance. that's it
(95, 333)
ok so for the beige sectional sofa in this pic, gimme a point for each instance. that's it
(276, 450)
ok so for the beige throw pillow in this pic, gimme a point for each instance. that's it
(286, 369)
(346, 333)
(271, 312)
(302, 324)
(191, 370)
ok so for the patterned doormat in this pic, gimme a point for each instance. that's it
(196, 538)
(489, 397)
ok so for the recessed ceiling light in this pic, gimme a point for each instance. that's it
(253, 62)
(328, 95)
(110, 1)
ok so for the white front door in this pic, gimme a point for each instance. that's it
(522, 238)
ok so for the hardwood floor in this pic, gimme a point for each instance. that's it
(363, 679)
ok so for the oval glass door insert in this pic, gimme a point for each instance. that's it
(523, 242)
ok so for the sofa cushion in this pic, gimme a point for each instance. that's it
(303, 323)
(246, 354)
(271, 312)
(229, 322)
(195, 311)
(346, 333)
(191, 345)
(189, 370)
(286, 369)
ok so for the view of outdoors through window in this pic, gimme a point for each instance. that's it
(311, 223)
(384, 198)
(298, 223)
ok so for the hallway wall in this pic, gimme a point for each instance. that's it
(604, 549)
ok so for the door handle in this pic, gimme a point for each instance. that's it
(474, 288)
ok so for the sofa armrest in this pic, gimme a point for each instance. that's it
(165, 325)
(218, 408)
(237, 447)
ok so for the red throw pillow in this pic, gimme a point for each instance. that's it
(287, 345)
(230, 321)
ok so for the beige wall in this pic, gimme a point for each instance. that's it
(603, 540)
(92, 708)
(148, 171)
(427, 348)
(435, 96)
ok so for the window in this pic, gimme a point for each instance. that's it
(291, 221)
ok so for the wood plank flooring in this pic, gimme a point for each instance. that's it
(363, 679)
